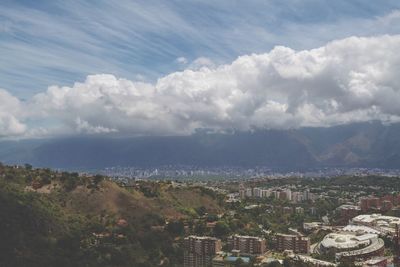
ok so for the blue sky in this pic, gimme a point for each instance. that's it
(45, 43)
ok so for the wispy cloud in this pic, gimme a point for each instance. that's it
(59, 42)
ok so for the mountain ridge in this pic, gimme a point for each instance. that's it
(369, 144)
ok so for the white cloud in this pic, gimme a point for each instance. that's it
(10, 110)
(349, 80)
(84, 127)
(182, 60)
(201, 62)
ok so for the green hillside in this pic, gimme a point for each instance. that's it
(61, 219)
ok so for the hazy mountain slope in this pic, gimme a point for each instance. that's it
(362, 144)
(271, 148)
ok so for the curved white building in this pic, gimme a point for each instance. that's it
(352, 245)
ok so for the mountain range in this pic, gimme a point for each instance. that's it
(370, 144)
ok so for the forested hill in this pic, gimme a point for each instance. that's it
(61, 219)
(353, 145)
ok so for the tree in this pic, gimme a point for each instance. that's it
(97, 179)
(239, 262)
(176, 227)
(201, 210)
(212, 217)
(200, 228)
(221, 229)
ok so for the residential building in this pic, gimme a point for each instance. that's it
(386, 205)
(247, 245)
(288, 194)
(298, 244)
(368, 203)
(306, 194)
(347, 212)
(266, 193)
(200, 250)
(242, 193)
(249, 192)
(257, 192)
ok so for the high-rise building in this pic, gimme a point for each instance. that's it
(266, 193)
(257, 192)
(375, 202)
(242, 193)
(200, 250)
(250, 245)
(249, 192)
(306, 194)
(299, 244)
(288, 194)
(295, 196)
(367, 203)
(386, 205)
(348, 212)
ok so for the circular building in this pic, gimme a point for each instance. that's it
(351, 246)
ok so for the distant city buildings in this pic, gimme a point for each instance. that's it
(200, 250)
(278, 193)
(196, 172)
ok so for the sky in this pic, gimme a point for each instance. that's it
(172, 67)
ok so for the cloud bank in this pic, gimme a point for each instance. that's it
(349, 80)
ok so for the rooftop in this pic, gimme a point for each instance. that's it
(346, 240)
(372, 218)
(360, 228)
